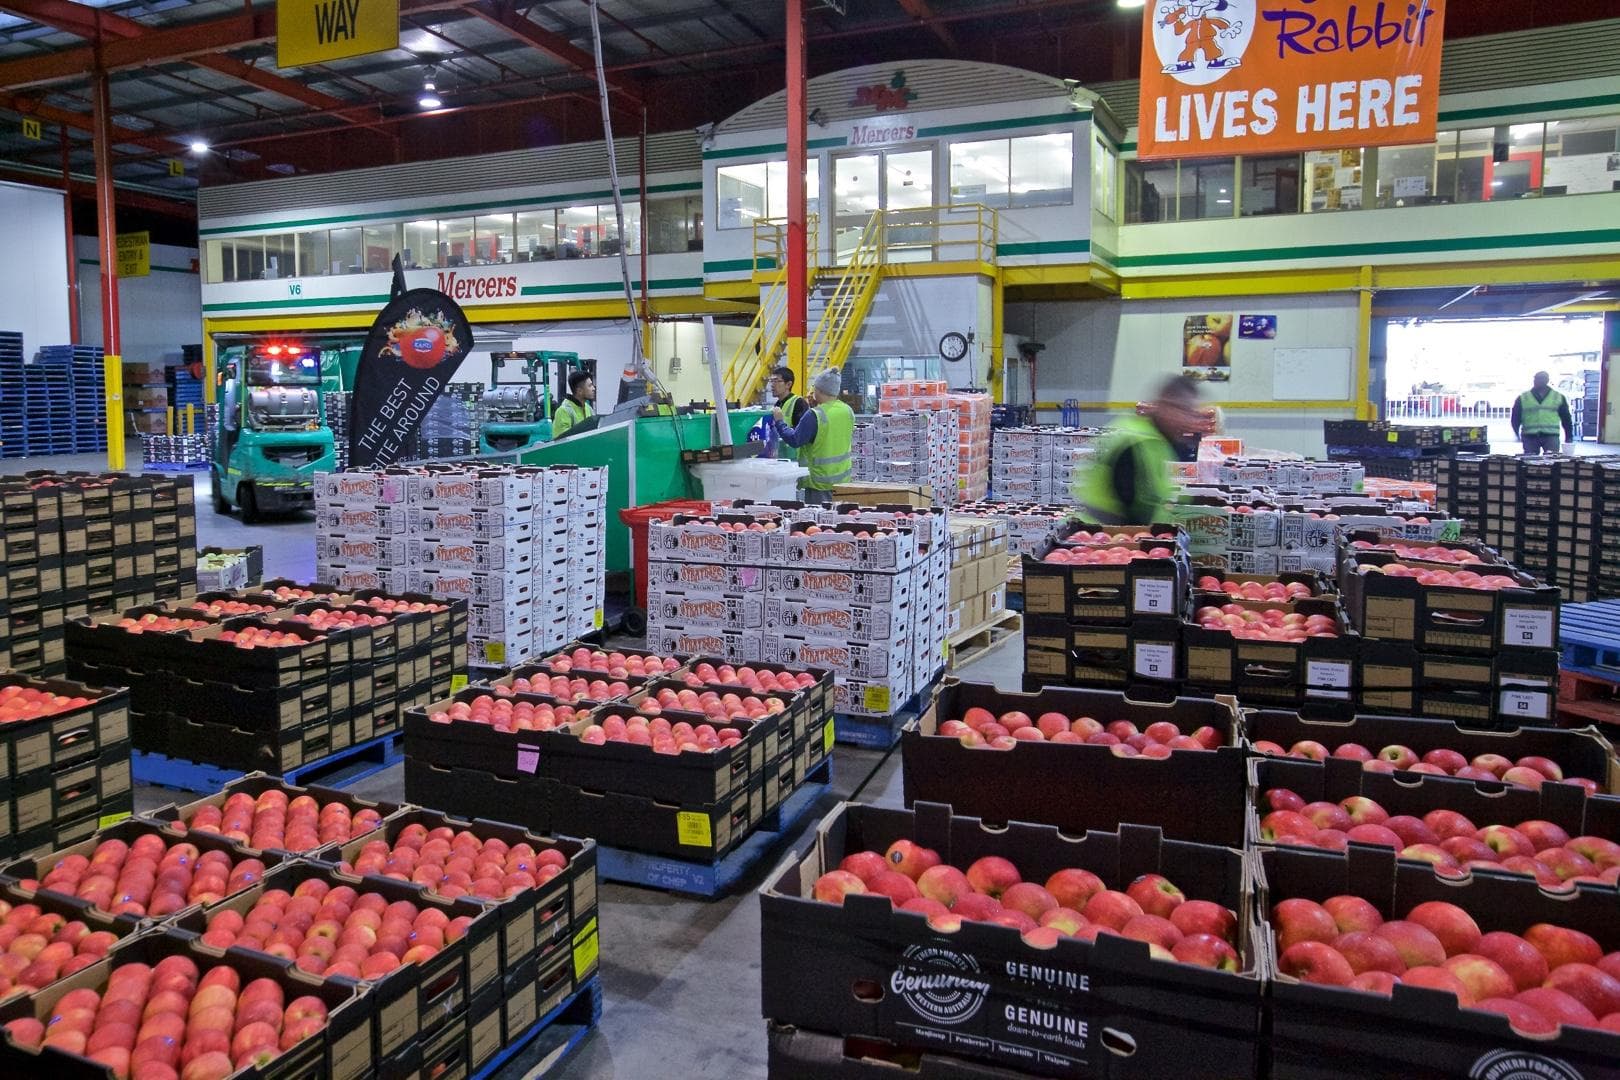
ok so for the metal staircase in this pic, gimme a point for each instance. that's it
(843, 295)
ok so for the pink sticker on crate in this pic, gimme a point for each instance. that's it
(748, 576)
(528, 758)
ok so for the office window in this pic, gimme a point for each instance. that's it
(1473, 154)
(1150, 191)
(674, 224)
(250, 258)
(1042, 172)
(420, 249)
(576, 232)
(381, 242)
(740, 190)
(1206, 189)
(536, 235)
(492, 241)
(1332, 180)
(1406, 175)
(279, 259)
(456, 242)
(313, 253)
(1270, 185)
(1582, 156)
(776, 188)
(980, 172)
(1104, 170)
(346, 251)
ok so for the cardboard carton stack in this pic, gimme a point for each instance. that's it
(861, 591)
(1548, 515)
(911, 449)
(972, 411)
(524, 546)
(73, 544)
(1038, 464)
(978, 590)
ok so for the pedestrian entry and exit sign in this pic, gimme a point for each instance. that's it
(315, 31)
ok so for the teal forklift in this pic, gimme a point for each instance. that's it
(272, 436)
(517, 411)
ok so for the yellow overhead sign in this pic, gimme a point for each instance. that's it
(134, 254)
(315, 31)
(31, 129)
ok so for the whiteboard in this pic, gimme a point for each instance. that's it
(1311, 374)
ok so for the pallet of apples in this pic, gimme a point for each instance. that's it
(1278, 641)
(64, 761)
(262, 813)
(1018, 946)
(158, 1004)
(1384, 968)
(1013, 757)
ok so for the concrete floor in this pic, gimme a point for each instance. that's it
(680, 977)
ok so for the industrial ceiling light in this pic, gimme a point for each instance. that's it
(1129, 4)
(198, 146)
(429, 98)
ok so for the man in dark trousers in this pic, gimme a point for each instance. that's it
(1538, 414)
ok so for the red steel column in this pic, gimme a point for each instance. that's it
(72, 254)
(796, 136)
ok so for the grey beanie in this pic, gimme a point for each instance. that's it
(828, 382)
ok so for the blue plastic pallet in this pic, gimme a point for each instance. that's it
(541, 1050)
(709, 880)
(881, 732)
(1589, 638)
(374, 755)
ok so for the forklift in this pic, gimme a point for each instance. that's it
(272, 436)
(517, 413)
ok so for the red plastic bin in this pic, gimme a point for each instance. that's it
(639, 518)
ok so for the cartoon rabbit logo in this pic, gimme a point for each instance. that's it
(1198, 41)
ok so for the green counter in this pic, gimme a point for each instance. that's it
(643, 459)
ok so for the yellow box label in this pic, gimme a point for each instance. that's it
(587, 946)
(110, 819)
(597, 619)
(315, 31)
(827, 735)
(458, 683)
(495, 651)
(692, 829)
(1394, 436)
(876, 698)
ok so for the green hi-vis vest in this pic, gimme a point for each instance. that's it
(1094, 485)
(569, 413)
(1540, 417)
(829, 451)
(787, 405)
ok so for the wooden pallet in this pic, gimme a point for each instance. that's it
(970, 645)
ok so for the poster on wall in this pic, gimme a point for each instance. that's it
(414, 347)
(1257, 327)
(1206, 347)
(1224, 77)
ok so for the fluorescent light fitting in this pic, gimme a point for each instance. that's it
(198, 146)
(1130, 4)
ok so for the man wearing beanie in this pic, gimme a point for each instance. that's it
(827, 429)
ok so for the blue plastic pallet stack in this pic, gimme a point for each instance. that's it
(87, 430)
(11, 395)
(48, 406)
(184, 388)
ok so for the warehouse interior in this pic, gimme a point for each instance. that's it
(809, 539)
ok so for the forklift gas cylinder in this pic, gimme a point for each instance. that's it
(284, 406)
(510, 403)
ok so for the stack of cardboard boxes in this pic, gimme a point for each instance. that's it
(524, 546)
(972, 412)
(861, 591)
(73, 544)
(1545, 514)
(910, 449)
(1038, 464)
(978, 592)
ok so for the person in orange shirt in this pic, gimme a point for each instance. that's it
(1194, 21)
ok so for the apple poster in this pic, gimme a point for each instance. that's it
(1206, 347)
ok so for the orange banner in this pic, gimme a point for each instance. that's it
(1267, 76)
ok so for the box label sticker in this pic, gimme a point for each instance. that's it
(495, 651)
(587, 946)
(1155, 661)
(528, 758)
(692, 829)
(458, 683)
(1528, 704)
(110, 819)
(596, 620)
(827, 735)
(1327, 674)
(1155, 596)
(876, 699)
(1527, 628)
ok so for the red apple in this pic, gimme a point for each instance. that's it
(1315, 962)
(1155, 895)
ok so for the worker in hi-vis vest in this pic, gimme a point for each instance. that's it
(826, 434)
(1539, 413)
(1128, 480)
(575, 407)
(792, 405)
